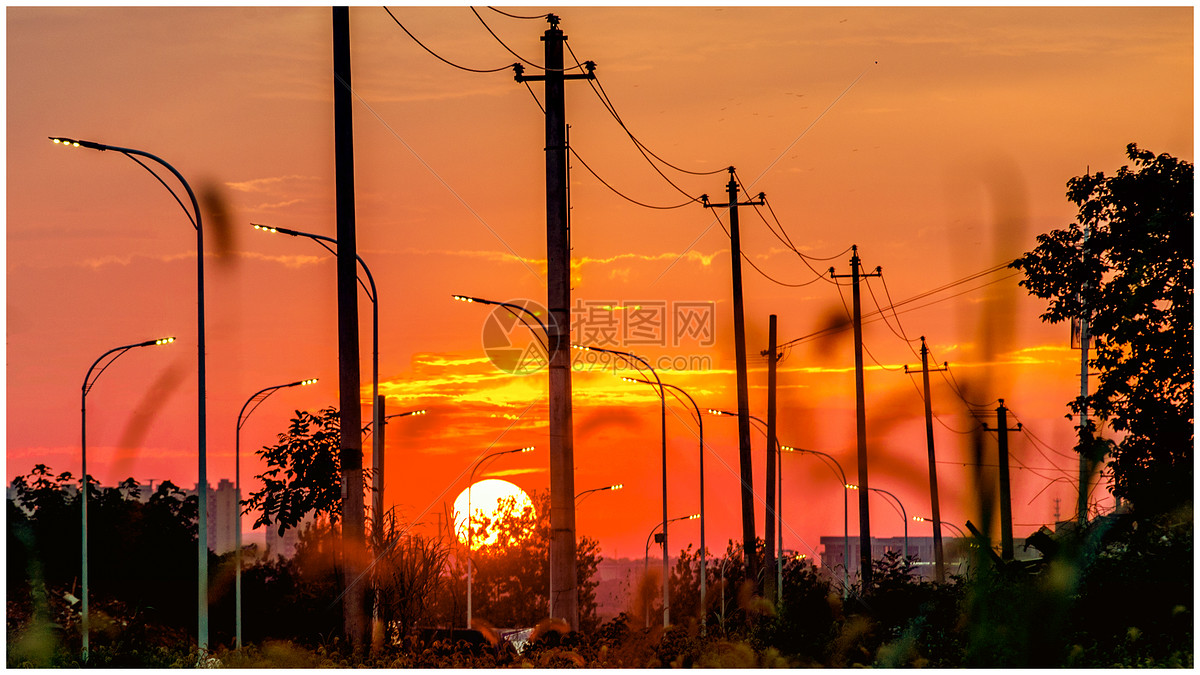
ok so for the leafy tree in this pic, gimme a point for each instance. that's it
(1134, 280)
(304, 473)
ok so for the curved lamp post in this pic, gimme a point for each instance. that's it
(580, 497)
(845, 510)
(923, 519)
(513, 309)
(903, 515)
(88, 383)
(202, 389)
(409, 413)
(471, 482)
(703, 552)
(663, 399)
(778, 506)
(243, 415)
(646, 558)
(373, 295)
(963, 535)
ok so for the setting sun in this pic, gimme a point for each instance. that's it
(485, 499)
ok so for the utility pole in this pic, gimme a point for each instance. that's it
(770, 512)
(939, 558)
(377, 455)
(350, 416)
(1085, 436)
(1006, 538)
(739, 347)
(864, 512)
(564, 593)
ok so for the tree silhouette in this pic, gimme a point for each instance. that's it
(1134, 280)
(304, 473)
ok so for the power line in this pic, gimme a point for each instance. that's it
(510, 51)
(598, 89)
(439, 57)
(914, 298)
(756, 267)
(783, 237)
(621, 194)
(514, 16)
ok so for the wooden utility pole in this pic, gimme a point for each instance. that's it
(770, 514)
(864, 512)
(1085, 435)
(564, 594)
(939, 558)
(739, 347)
(1006, 528)
(350, 416)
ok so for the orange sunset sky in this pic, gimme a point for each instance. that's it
(939, 140)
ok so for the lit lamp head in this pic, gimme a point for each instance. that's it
(72, 143)
(264, 228)
(305, 383)
(851, 486)
(617, 486)
(164, 341)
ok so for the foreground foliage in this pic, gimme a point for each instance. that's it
(1118, 593)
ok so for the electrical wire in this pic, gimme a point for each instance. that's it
(1038, 441)
(439, 57)
(598, 89)
(621, 194)
(514, 16)
(535, 98)
(872, 315)
(898, 331)
(510, 51)
(756, 267)
(783, 237)
(921, 396)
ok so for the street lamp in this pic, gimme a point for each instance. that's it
(471, 482)
(703, 552)
(963, 535)
(409, 413)
(513, 308)
(922, 519)
(202, 387)
(845, 510)
(376, 409)
(661, 539)
(579, 497)
(903, 515)
(256, 399)
(88, 383)
(777, 507)
(663, 434)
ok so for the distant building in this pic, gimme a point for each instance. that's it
(223, 516)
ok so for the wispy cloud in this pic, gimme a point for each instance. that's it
(265, 184)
